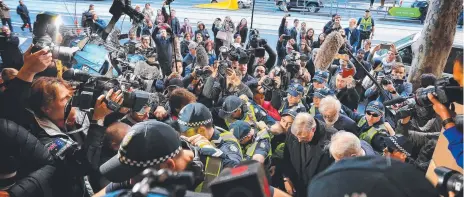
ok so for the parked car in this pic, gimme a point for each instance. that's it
(405, 51)
(312, 6)
(245, 3)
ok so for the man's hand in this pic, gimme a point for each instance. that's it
(439, 108)
(100, 109)
(160, 113)
(4, 194)
(393, 48)
(278, 82)
(289, 186)
(390, 88)
(199, 140)
(34, 63)
(376, 48)
(350, 82)
(281, 38)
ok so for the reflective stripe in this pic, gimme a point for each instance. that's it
(369, 134)
(228, 136)
(250, 149)
(279, 151)
(366, 24)
(250, 117)
(312, 110)
(212, 168)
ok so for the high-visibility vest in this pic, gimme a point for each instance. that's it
(250, 116)
(312, 110)
(213, 165)
(282, 107)
(369, 134)
(366, 24)
(251, 148)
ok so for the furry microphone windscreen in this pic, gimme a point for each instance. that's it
(202, 58)
(328, 50)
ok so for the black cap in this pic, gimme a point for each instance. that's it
(368, 10)
(289, 112)
(175, 82)
(372, 175)
(399, 143)
(147, 144)
(194, 115)
(230, 105)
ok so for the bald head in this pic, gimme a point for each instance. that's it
(115, 133)
(344, 145)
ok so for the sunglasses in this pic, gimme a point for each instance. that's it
(372, 114)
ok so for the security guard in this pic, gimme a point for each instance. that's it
(319, 94)
(366, 26)
(295, 94)
(255, 145)
(218, 150)
(239, 108)
(371, 125)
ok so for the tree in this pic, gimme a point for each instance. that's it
(432, 48)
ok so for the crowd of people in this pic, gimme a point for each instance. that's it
(234, 98)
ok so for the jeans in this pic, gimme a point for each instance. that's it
(7, 20)
(26, 21)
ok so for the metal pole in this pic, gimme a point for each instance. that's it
(252, 13)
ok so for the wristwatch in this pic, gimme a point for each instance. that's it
(446, 121)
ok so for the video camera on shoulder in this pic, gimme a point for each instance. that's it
(89, 88)
(256, 43)
(449, 181)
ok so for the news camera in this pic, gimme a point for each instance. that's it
(89, 88)
(282, 73)
(256, 43)
(419, 104)
(449, 181)
(46, 32)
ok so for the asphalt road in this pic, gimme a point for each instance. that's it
(266, 16)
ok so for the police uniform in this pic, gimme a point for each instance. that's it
(374, 134)
(365, 26)
(261, 144)
(319, 93)
(251, 113)
(294, 90)
(224, 150)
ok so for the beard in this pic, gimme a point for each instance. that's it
(331, 122)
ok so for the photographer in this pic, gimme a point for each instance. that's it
(385, 65)
(260, 59)
(394, 86)
(217, 87)
(87, 16)
(9, 49)
(164, 46)
(237, 108)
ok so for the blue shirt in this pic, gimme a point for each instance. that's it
(454, 137)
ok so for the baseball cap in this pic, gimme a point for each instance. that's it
(289, 112)
(323, 92)
(372, 175)
(230, 105)
(295, 89)
(194, 115)
(175, 82)
(240, 129)
(147, 144)
(376, 107)
(368, 10)
(400, 143)
(321, 76)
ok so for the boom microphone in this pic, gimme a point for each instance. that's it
(394, 101)
(202, 58)
(328, 50)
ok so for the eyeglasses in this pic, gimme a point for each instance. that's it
(372, 114)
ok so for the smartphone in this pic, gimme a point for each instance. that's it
(385, 46)
(286, 37)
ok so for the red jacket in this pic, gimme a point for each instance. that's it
(271, 110)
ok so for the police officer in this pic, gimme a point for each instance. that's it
(372, 127)
(239, 108)
(319, 94)
(366, 26)
(218, 149)
(255, 144)
(292, 101)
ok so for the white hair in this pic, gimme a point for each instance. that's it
(303, 122)
(329, 102)
(353, 19)
(344, 144)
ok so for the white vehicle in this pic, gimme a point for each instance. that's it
(245, 3)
